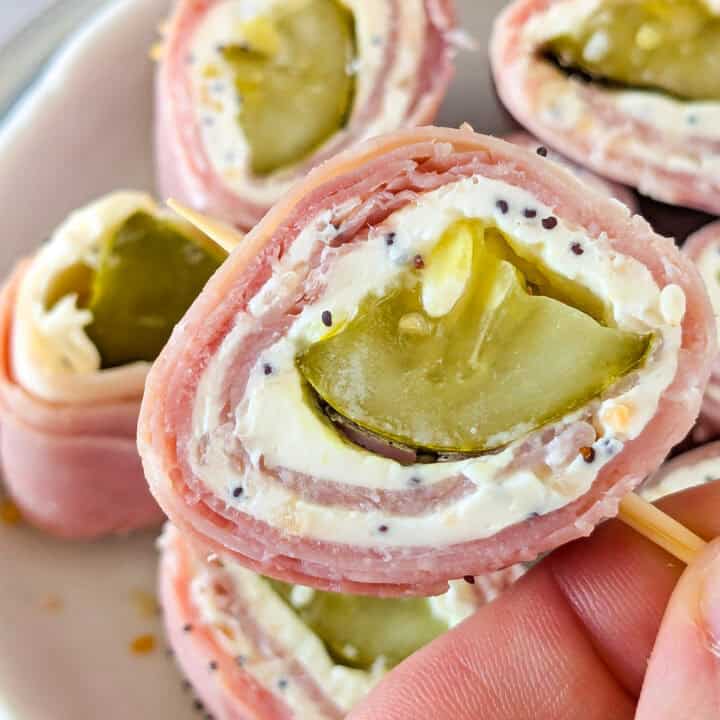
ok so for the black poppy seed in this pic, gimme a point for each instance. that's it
(187, 627)
(282, 683)
(542, 151)
(326, 318)
(529, 213)
(470, 579)
(534, 515)
(577, 248)
(709, 478)
(588, 454)
(390, 239)
(692, 119)
(549, 222)
(208, 716)
(213, 665)
(198, 705)
(186, 685)
(238, 491)
(502, 206)
(240, 660)
(383, 528)
(418, 262)
(415, 480)
(268, 369)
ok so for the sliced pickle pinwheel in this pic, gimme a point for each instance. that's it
(629, 88)
(251, 95)
(81, 322)
(444, 371)
(253, 647)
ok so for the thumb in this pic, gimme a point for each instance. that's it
(683, 676)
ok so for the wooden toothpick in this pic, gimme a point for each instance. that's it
(660, 528)
(222, 234)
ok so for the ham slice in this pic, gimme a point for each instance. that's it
(704, 249)
(647, 140)
(412, 70)
(690, 469)
(236, 655)
(370, 524)
(607, 187)
(72, 469)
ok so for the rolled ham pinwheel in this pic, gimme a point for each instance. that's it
(257, 648)
(80, 322)
(628, 88)
(704, 249)
(252, 95)
(611, 189)
(439, 355)
(690, 469)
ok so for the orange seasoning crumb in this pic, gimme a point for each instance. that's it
(52, 603)
(9, 513)
(145, 602)
(143, 644)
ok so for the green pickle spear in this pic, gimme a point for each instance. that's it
(667, 45)
(148, 274)
(357, 630)
(471, 355)
(294, 78)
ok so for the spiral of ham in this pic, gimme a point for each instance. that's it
(591, 124)
(356, 192)
(184, 169)
(72, 469)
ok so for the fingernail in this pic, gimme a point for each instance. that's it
(710, 601)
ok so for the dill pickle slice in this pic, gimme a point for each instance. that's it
(667, 45)
(357, 630)
(501, 362)
(293, 75)
(148, 275)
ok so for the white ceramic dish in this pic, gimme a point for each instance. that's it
(71, 611)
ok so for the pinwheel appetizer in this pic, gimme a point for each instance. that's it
(259, 648)
(251, 95)
(439, 355)
(704, 248)
(629, 88)
(80, 323)
(611, 189)
(692, 468)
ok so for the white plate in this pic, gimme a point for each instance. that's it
(71, 611)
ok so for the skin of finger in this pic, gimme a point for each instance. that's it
(607, 593)
(683, 677)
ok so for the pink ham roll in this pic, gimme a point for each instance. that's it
(256, 649)
(79, 323)
(648, 129)
(704, 249)
(350, 405)
(234, 130)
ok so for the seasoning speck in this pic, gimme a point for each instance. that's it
(470, 579)
(383, 528)
(187, 627)
(282, 683)
(588, 454)
(143, 644)
(542, 151)
(529, 213)
(52, 603)
(240, 660)
(238, 491)
(267, 369)
(198, 705)
(390, 239)
(549, 222)
(502, 206)
(692, 119)
(418, 262)
(213, 665)
(186, 685)
(326, 318)
(577, 248)
(10, 513)
(415, 480)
